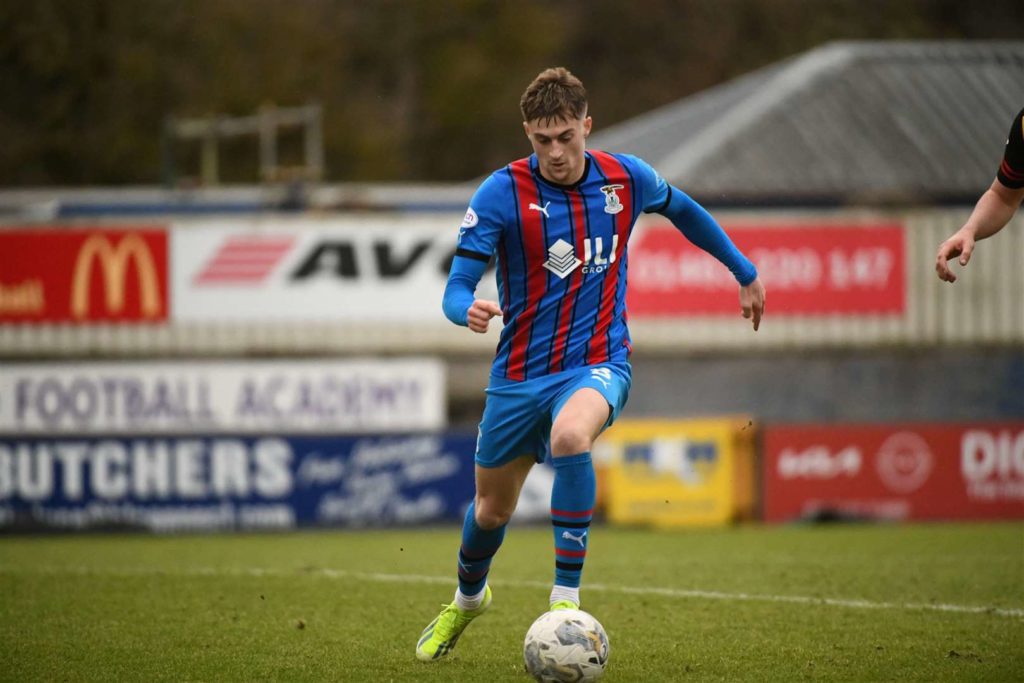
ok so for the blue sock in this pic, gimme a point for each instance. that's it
(478, 547)
(572, 505)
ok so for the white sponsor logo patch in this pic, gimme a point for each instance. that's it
(471, 219)
(561, 259)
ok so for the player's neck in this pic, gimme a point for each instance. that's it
(584, 168)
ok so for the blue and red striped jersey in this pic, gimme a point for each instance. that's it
(561, 259)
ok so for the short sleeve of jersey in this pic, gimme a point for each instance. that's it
(656, 194)
(1011, 171)
(485, 218)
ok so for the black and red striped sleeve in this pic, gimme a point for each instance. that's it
(1011, 171)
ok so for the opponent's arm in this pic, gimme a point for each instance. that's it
(691, 219)
(995, 208)
(991, 214)
(459, 302)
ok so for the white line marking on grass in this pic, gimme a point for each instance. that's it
(450, 581)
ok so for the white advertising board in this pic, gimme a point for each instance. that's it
(368, 269)
(290, 397)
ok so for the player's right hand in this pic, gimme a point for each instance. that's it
(960, 244)
(479, 315)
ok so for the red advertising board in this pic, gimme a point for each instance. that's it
(813, 269)
(895, 472)
(83, 275)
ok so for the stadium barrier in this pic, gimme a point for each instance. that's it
(242, 444)
(371, 283)
(661, 473)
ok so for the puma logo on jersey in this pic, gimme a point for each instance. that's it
(579, 539)
(542, 209)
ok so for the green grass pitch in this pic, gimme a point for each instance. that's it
(835, 603)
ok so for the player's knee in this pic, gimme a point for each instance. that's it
(491, 514)
(570, 439)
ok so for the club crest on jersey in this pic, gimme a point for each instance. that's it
(611, 200)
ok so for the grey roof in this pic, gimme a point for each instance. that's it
(849, 122)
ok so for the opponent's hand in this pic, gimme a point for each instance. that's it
(752, 301)
(480, 313)
(960, 244)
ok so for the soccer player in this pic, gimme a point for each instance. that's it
(559, 221)
(995, 208)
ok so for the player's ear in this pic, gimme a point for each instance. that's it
(526, 128)
(587, 124)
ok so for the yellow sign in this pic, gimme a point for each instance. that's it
(679, 472)
(113, 262)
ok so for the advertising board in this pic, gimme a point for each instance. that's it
(818, 268)
(229, 482)
(894, 472)
(288, 396)
(677, 472)
(84, 275)
(369, 270)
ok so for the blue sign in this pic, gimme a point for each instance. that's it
(234, 482)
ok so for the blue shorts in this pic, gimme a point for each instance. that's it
(518, 415)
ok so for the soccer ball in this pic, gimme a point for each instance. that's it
(566, 645)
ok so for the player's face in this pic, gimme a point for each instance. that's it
(559, 146)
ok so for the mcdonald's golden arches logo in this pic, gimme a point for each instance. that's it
(113, 258)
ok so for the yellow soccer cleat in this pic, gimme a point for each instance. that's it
(440, 635)
(564, 604)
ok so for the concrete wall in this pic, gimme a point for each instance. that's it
(939, 385)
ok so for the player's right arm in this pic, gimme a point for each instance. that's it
(478, 237)
(995, 208)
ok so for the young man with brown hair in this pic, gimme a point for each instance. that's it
(559, 222)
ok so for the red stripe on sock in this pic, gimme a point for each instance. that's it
(571, 513)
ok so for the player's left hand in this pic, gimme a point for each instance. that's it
(752, 301)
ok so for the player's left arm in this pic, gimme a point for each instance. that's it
(693, 220)
(698, 226)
